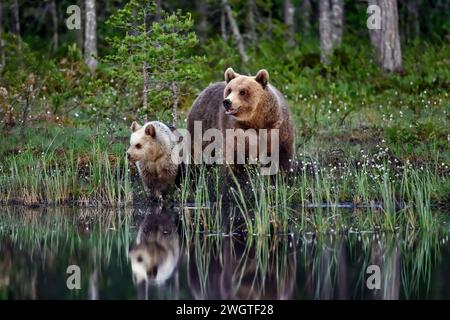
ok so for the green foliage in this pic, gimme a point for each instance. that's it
(84, 173)
(345, 107)
(312, 198)
(162, 50)
(58, 83)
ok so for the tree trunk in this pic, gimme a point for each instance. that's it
(16, 25)
(343, 271)
(387, 40)
(306, 16)
(2, 43)
(331, 15)
(325, 285)
(202, 9)
(158, 10)
(386, 258)
(93, 291)
(175, 105)
(90, 36)
(251, 22)
(413, 18)
(15, 17)
(337, 21)
(235, 30)
(326, 40)
(145, 82)
(145, 85)
(289, 21)
(54, 14)
(390, 50)
(79, 32)
(270, 21)
(375, 34)
(223, 24)
(394, 276)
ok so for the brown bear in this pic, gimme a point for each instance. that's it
(245, 102)
(151, 148)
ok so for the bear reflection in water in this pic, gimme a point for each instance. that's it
(155, 253)
(229, 271)
(238, 271)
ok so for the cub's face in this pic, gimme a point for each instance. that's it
(143, 143)
(243, 94)
(154, 257)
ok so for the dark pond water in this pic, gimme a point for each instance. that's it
(129, 254)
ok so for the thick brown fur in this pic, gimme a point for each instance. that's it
(151, 148)
(255, 104)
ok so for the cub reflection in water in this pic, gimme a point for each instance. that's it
(262, 269)
(155, 253)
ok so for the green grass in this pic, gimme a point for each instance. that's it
(363, 137)
(390, 192)
(79, 230)
(256, 266)
(268, 266)
(54, 238)
(56, 175)
(389, 197)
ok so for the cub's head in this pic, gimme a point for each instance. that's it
(149, 141)
(155, 252)
(153, 262)
(243, 94)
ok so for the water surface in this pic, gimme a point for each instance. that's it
(136, 254)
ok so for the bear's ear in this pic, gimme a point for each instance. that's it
(135, 126)
(262, 77)
(230, 75)
(150, 130)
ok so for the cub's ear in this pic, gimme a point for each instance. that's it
(150, 130)
(262, 77)
(230, 75)
(135, 126)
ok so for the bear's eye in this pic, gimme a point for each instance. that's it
(242, 92)
(138, 146)
(228, 91)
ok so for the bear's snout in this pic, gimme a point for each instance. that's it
(130, 157)
(227, 104)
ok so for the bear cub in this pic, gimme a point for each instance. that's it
(151, 149)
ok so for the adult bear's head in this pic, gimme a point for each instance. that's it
(243, 94)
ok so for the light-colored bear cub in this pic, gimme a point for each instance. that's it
(155, 253)
(151, 148)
